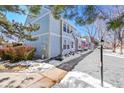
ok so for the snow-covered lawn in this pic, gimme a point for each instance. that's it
(116, 54)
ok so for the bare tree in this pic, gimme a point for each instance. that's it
(120, 30)
(114, 35)
(90, 30)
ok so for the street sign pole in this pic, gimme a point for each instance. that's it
(101, 57)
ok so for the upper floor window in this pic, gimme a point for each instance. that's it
(64, 27)
(68, 29)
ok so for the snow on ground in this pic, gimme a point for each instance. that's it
(110, 53)
(39, 67)
(38, 75)
(76, 79)
(114, 55)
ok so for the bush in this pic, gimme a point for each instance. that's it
(30, 54)
(7, 53)
(17, 53)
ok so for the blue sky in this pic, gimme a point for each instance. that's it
(17, 17)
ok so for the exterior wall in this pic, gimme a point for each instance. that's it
(54, 46)
(32, 19)
(49, 42)
(78, 41)
(42, 43)
(76, 45)
(41, 46)
(44, 26)
(55, 28)
(68, 39)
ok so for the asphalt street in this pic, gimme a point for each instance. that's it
(113, 68)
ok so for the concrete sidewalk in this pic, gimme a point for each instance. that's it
(42, 75)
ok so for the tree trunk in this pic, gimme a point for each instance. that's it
(114, 47)
(114, 44)
(121, 48)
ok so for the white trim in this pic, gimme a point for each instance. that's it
(54, 34)
(39, 35)
(46, 8)
(64, 36)
(39, 18)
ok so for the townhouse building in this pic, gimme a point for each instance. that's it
(55, 37)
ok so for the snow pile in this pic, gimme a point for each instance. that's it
(75, 79)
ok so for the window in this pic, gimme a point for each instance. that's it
(72, 44)
(64, 27)
(67, 46)
(68, 29)
(64, 46)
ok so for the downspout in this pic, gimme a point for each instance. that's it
(61, 50)
(49, 37)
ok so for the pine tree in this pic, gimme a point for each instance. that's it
(17, 29)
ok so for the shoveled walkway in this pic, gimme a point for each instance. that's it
(69, 65)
